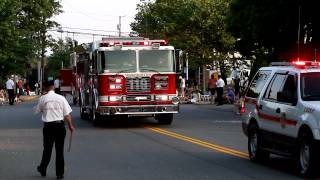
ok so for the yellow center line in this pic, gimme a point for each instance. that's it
(211, 146)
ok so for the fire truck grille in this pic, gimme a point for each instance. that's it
(137, 98)
(138, 84)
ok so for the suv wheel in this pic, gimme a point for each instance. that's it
(256, 154)
(307, 156)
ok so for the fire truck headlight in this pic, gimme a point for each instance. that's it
(175, 100)
(115, 98)
(115, 86)
(162, 98)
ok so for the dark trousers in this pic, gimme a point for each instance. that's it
(220, 95)
(53, 133)
(11, 96)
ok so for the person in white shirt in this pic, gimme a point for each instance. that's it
(57, 85)
(182, 86)
(55, 111)
(220, 85)
(10, 85)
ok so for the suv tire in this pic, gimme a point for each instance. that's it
(307, 156)
(256, 154)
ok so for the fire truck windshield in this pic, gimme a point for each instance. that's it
(156, 60)
(116, 61)
(310, 86)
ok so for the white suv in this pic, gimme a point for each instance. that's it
(281, 110)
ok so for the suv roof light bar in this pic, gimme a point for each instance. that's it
(297, 64)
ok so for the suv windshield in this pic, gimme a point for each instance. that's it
(310, 86)
(156, 60)
(118, 61)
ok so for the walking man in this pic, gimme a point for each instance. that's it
(55, 111)
(220, 86)
(10, 88)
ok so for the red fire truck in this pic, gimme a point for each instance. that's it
(123, 77)
(68, 83)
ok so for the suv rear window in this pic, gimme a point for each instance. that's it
(310, 86)
(258, 83)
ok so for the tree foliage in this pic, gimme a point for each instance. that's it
(195, 26)
(273, 25)
(23, 27)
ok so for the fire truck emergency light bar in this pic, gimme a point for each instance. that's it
(156, 43)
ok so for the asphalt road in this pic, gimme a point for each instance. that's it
(204, 142)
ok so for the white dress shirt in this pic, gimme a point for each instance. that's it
(53, 107)
(10, 84)
(220, 83)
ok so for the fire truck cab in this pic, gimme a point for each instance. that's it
(122, 77)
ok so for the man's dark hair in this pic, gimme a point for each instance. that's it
(47, 84)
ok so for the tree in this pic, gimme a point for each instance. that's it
(23, 38)
(269, 28)
(61, 55)
(196, 26)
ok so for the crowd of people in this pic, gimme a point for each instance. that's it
(13, 88)
(218, 91)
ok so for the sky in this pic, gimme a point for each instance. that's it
(95, 16)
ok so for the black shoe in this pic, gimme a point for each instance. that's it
(60, 177)
(41, 171)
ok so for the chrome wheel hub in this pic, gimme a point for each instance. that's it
(253, 144)
(304, 157)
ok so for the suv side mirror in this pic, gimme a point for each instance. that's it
(287, 97)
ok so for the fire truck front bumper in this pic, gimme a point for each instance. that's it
(138, 110)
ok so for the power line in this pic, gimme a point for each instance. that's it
(82, 33)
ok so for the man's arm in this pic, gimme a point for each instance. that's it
(68, 118)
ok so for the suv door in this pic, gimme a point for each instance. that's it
(275, 114)
(268, 117)
(254, 90)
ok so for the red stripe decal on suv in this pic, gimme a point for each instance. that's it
(276, 119)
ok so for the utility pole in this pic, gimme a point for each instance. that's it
(119, 26)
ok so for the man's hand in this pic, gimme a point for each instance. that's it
(71, 128)
(69, 122)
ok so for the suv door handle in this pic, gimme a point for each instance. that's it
(278, 110)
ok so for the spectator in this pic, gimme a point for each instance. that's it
(10, 88)
(182, 86)
(57, 86)
(2, 96)
(230, 95)
(220, 85)
(212, 86)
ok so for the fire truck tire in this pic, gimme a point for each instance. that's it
(83, 115)
(164, 119)
(75, 102)
(97, 120)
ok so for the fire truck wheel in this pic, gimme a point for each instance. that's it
(75, 102)
(96, 119)
(83, 115)
(164, 119)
